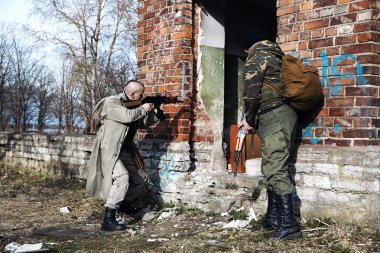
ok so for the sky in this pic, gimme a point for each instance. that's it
(15, 11)
(18, 12)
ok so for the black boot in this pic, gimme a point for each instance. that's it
(289, 228)
(271, 220)
(110, 223)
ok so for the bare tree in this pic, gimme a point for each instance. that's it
(66, 98)
(25, 71)
(42, 96)
(93, 34)
(5, 72)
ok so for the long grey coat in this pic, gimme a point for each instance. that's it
(109, 139)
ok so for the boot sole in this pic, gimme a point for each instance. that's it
(293, 236)
(113, 230)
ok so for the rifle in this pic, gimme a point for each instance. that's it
(156, 100)
(239, 147)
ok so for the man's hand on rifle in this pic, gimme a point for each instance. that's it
(148, 106)
(161, 108)
(247, 127)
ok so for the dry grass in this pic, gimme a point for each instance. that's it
(30, 204)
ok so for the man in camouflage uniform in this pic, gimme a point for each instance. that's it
(275, 122)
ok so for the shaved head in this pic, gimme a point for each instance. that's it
(133, 86)
(134, 90)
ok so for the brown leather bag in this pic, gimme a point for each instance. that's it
(302, 87)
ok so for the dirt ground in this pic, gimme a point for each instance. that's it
(30, 213)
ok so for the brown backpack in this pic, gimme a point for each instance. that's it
(302, 87)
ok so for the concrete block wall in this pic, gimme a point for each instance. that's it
(342, 183)
(61, 155)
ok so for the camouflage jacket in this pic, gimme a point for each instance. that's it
(262, 64)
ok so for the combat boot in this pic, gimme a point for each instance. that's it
(272, 216)
(110, 223)
(289, 228)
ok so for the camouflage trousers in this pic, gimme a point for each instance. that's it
(130, 184)
(277, 130)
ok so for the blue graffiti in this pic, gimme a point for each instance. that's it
(315, 139)
(333, 88)
(167, 176)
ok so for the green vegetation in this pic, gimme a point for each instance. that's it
(232, 186)
(238, 215)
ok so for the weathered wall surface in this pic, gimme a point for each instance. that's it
(65, 155)
(342, 183)
(341, 39)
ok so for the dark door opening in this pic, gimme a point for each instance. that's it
(242, 15)
(235, 17)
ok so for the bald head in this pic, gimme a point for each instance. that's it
(134, 90)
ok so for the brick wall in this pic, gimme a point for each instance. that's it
(341, 38)
(167, 58)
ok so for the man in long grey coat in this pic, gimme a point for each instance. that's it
(114, 166)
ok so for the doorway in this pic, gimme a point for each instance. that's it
(222, 23)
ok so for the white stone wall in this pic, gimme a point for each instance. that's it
(65, 155)
(342, 183)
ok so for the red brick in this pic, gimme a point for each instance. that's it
(317, 33)
(360, 48)
(331, 31)
(359, 133)
(305, 35)
(362, 122)
(364, 143)
(371, 36)
(373, 80)
(282, 3)
(337, 112)
(344, 19)
(308, 5)
(327, 121)
(348, 39)
(368, 102)
(323, 112)
(287, 10)
(363, 26)
(285, 29)
(333, 102)
(316, 24)
(302, 45)
(338, 142)
(345, 1)
(363, 5)
(376, 123)
(374, 70)
(359, 91)
(302, 16)
(324, 3)
(369, 58)
(321, 43)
